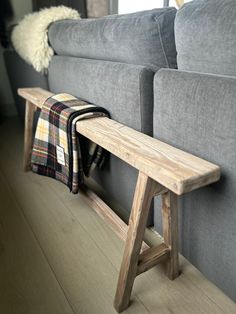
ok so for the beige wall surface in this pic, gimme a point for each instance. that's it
(97, 8)
(20, 7)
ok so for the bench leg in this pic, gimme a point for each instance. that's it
(144, 192)
(28, 137)
(170, 232)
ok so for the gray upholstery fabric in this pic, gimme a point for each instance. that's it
(205, 33)
(126, 91)
(143, 38)
(118, 180)
(197, 113)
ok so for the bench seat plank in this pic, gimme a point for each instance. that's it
(176, 170)
(173, 168)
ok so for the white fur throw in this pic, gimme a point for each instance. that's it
(30, 36)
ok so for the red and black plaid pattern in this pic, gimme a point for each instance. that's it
(59, 151)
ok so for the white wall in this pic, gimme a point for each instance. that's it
(20, 7)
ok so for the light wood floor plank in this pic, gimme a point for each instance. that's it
(204, 295)
(152, 288)
(27, 284)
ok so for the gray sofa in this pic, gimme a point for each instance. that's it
(127, 64)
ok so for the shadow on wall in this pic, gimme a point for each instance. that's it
(1, 115)
(6, 18)
(18, 10)
(7, 107)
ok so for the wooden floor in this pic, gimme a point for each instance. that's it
(58, 257)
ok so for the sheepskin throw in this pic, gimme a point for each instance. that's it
(30, 36)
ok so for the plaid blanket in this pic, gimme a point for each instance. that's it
(58, 151)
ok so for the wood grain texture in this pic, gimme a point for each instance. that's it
(143, 195)
(36, 95)
(28, 136)
(152, 257)
(175, 169)
(170, 233)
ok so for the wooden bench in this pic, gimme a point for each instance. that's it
(163, 170)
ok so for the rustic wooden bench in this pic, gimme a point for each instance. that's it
(163, 170)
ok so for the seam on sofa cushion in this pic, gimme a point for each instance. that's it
(142, 128)
(134, 15)
(140, 100)
(161, 41)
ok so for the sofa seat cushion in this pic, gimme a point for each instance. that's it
(205, 33)
(143, 38)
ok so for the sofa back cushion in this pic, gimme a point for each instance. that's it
(143, 38)
(125, 90)
(205, 34)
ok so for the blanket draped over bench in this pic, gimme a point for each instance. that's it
(58, 151)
